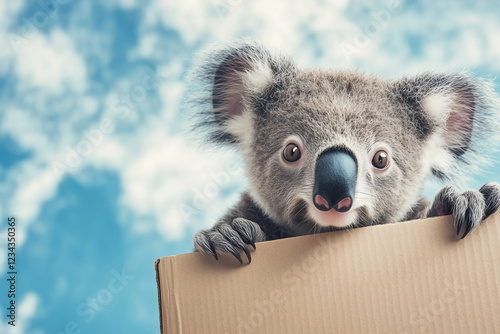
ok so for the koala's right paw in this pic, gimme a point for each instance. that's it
(231, 237)
(469, 208)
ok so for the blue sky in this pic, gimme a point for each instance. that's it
(96, 162)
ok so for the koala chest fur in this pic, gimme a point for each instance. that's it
(328, 150)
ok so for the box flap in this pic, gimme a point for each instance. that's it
(411, 277)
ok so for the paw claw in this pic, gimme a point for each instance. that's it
(459, 227)
(236, 254)
(214, 252)
(247, 252)
(491, 194)
(467, 230)
(231, 237)
(248, 241)
(468, 208)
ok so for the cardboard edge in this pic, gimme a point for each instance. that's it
(169, 262)
(157, 264)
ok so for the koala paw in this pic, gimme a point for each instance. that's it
(231, 237)
(469, 208)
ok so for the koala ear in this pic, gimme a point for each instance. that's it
(454, 105)
(244, 71)
(237, 82)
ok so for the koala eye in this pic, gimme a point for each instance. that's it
(380, 160)
(291, 153)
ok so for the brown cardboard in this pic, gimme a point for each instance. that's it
(411, 277)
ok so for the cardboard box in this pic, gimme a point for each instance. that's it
(410, 277)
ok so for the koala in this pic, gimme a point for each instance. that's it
(330, 150)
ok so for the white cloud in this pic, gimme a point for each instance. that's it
(451, 40)
(29, 305)
(161, 173)
(282, 24)
(34, 184)
(26, 310)
(128, 4)
(171, 95)
(51, 63)
(172, 181)
(110, 154)
(147, 46)
(33, 181)
(191, 23)
(39, 186)
(8, 12)
(19, 123)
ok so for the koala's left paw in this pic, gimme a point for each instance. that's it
(469, 208)
(229, 237)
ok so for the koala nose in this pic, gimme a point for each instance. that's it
(334, 180)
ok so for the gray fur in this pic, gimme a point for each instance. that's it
(255, 100)
(491, 193)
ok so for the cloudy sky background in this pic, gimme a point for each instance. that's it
(95, 160)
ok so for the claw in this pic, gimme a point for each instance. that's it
(203, 244)
(467, 230)
(459, 227)
(248, 241)
(247, 252)
(245, 249)
(236, 255)
(214, 252)
(491, 194)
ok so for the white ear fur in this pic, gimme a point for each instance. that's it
(461, 117)
(440, 157)
(438, 106)
(258, 78)
(254, 82)
(242, 127)
(454, 114)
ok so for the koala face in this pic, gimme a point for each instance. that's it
(337, 149)
(321, 113)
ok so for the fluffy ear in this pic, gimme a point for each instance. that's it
(236, 83)
(460, 110)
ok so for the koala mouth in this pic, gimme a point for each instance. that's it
(304, 213)
(342, 206)
(332, 217)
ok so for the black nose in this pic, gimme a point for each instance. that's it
(334, 181)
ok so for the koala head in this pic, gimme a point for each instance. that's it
(337, 148)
